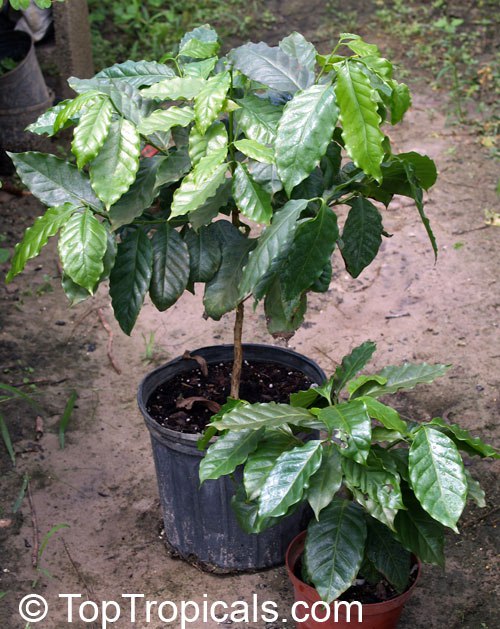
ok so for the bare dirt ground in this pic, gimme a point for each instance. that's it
(102, 484)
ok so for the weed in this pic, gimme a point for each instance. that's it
(10, 393)
(46, 539)
(21, 495)
(66, 416)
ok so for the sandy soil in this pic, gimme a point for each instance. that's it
(102, 484)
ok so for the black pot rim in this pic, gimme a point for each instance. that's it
(176, 436)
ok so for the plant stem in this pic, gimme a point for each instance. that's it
(238, 352)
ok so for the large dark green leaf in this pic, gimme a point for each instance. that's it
(289, 479)
(304, 133)
(352, 425)
(360, 119)
(335, 547)
(464, 440)
(136, 73)
(418, 532)
(82, 245)
(37, 236)
(205, 253)
(257, 415)
(53, 180)
(130, 278)
(283, 316)
(437, 476)
(221, 292)
(271, 67)
(247, 513)
(114, 169)
(324, 484)
(387, 555)
(258, 118)
(311, 250)
(252, 200)
(262, 460)
(362, 235)
(272, 242)
(171, 169)
(395, 176)
(170, 267)
(229, 451)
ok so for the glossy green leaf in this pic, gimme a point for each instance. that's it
(267, 176)
(222, 291)
(283, 317)
(400, 101)
(140, 195)
(170, 267)
(269, 415)
(289, 478)
(387, 555)
(91, 132)
(312, 247)
(375, 488)
(418, 532)
(304, 133)
(165, 119)
(173, 168)
(136, 73)
(191, 195)
(358, 45)
(262, 460)
(271, 242)
(386, 415)
(464, 440)
(207, 165)
(352, 364)
(396, 176)
(258, 118)
(351, 423)
(255, 150)
(82, 245)
(37, 236)
(474, 490)
(271, 67)
(114, 169)
(205, 254)
(44, 124)
(73, 107)
(362, 235)
(437, 476)
(199, 69)
(405, 377)
(252, 200)
(201, 145)
(296, 45)
(210, 100)
(360, 119)
(197, 49)
(247, 513)
(334, 548)
(75, 294)
(326, 481)
(209, 210)
(54, 181)
(175, 88)
(353, 386)
(130, 278)
(417, 195)
(229, 451)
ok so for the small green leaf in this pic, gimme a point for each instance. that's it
(165, 119)
(175, 88)
(205, 254)
(258, 118)
(114, 169)
(351, 423)
(324, 484)
(304, 133)
(437, 476)
(474, 490)
(360, 119)
(201, 145)
(130, 278)
(464, 440)
(210, 100)
(252, 200)
(362, 235)
(269, 415)
(404, 377)
(361, 381)
(44, 124)
(37, 236)
(289, 478)
(72, 108)
(191, 195)
(82, 245)
(334, 548)
(91, 132)
(283, 317)
(197, 49)
(255, 150)
(200, 69)
(229, 451)
(170, 267)
(386, 415)
(400, 101)
(352, 364)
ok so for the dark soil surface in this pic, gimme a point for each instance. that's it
(186, 403)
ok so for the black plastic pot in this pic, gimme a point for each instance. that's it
(200, 525)
(23, 94)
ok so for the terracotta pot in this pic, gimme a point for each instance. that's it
(374, 615)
